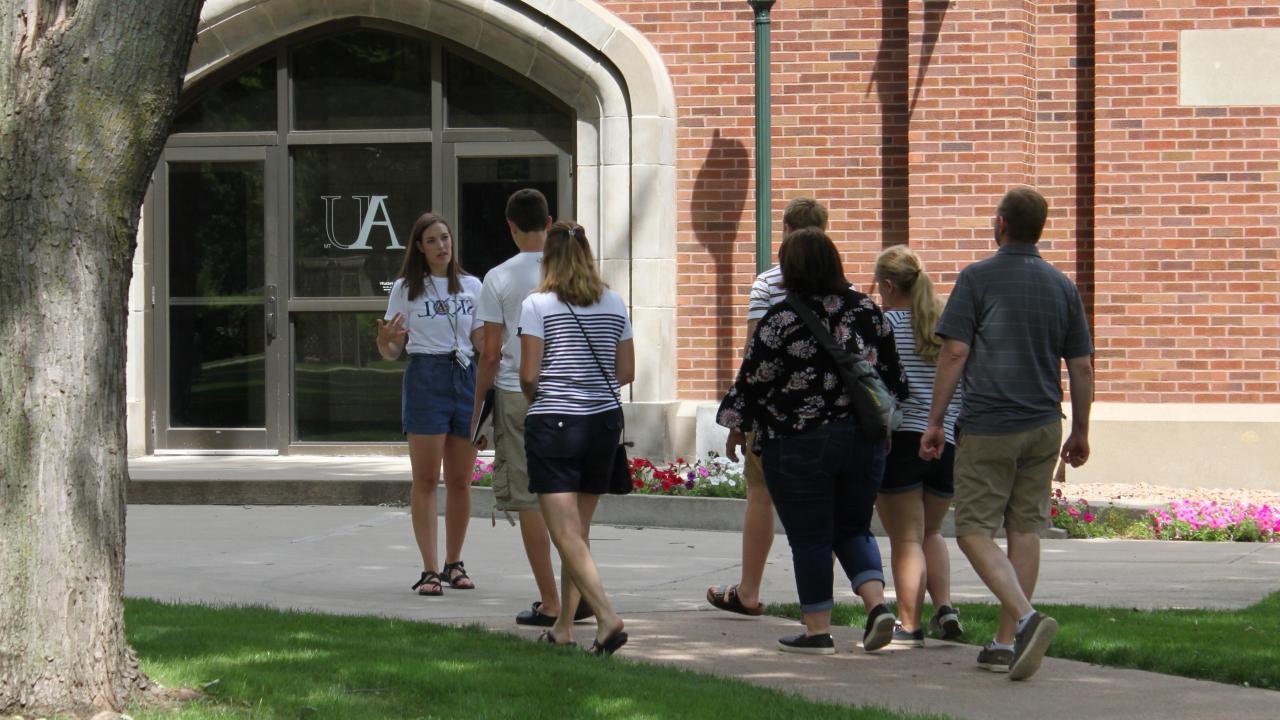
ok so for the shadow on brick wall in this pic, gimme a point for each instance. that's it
(719, 196)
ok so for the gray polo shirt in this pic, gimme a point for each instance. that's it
(1020, 317)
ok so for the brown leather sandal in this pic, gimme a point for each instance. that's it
(457, 577)
(428, 584)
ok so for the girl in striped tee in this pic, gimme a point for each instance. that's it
(916, 494)
(575, 355)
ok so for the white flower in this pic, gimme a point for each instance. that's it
(803, 349)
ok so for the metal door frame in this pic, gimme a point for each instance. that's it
(531, 148)
(188, 441)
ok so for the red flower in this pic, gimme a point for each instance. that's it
(1053, 512)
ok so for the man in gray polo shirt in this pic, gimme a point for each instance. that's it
(1008, 325)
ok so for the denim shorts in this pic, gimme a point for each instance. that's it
(438, 396)
(571, 453)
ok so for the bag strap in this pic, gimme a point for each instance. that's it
(600, 367)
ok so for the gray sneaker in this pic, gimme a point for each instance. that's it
(945, 623)
(996, 660)
(907, 638)
(1030, 645)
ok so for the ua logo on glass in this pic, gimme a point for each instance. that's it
(372, 213)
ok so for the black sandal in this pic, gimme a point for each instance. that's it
(461, 575)
(546, 638)
(425, 583)
(611, 644)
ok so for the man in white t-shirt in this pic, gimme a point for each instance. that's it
(757, 521)
(505, 288)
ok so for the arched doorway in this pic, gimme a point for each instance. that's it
(279, 214)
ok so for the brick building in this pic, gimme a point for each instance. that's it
(1152, 127)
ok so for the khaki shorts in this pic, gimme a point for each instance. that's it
(510, 466)
(752, 466)
(1005, 480)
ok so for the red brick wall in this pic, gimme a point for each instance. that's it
(1188, 217)
(910, 119)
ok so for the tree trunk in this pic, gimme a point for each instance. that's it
(87, 91)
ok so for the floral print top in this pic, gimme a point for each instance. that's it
(788, 384)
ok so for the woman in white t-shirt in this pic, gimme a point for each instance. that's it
(916, 494)
(431, 314)
(575, 355)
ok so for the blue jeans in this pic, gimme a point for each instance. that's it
(823, 483)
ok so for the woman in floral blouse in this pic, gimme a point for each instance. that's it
(822, 475)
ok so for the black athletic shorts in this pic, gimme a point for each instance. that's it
(571, 453)
(904, 470)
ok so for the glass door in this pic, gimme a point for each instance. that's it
(484, 175)
(217, 316)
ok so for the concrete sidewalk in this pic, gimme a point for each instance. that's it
(361, 560)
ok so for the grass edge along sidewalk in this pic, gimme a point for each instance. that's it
(1238, 647)
(262, 663)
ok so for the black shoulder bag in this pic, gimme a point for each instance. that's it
(620, 467)
(874, 406)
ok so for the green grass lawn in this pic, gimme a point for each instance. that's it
(1231, 646)
(264, 664)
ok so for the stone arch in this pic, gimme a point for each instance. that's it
(590, 59)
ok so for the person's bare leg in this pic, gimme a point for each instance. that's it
(569, 592)
(817, 623)
(902, 515)
(459, 463)
(937, 561)
(426, 452)
(537, 548)
(564, 521)
(757, 541)
(871, 592)
(1024, 556)
(1001, 577)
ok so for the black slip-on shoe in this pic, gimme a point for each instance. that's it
(535, 617)
(808, 644)
(879, 630)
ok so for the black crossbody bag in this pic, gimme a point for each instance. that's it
(874, 406)
(620, 466)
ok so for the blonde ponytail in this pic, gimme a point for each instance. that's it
(900, 265)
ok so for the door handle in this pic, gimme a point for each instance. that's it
(271, 312)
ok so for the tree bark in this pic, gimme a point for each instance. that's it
(87, 91)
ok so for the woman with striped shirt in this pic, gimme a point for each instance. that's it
(575, 355)
(916, 494)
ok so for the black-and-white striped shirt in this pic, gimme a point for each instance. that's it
(920, 375)
(766, 292)
(570, 383)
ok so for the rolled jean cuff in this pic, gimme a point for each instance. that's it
(866, 576)
(818, 606)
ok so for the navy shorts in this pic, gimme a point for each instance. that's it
(571, 453)
(438, 396)
(905, 471)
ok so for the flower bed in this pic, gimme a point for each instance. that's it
(715, 477)
(1179, 520)
(1240, 522)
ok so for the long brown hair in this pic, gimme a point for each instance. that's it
(900, 265)
(414, 269)
(567, 268)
